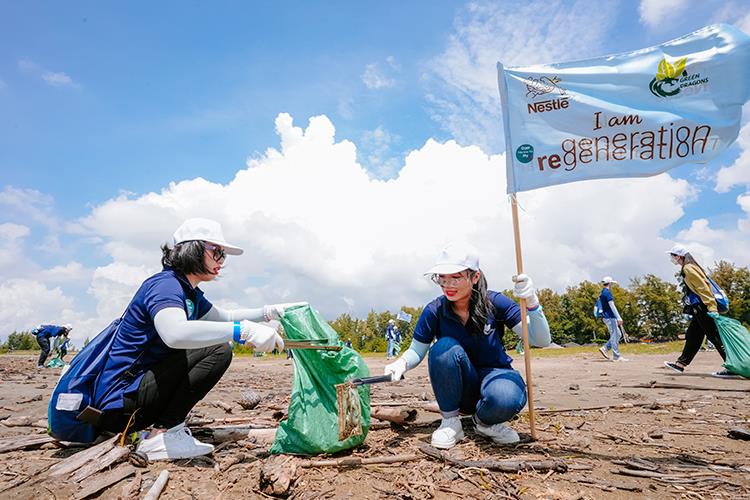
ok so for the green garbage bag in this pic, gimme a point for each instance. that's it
(55, 363)
(312, 424)
(736, 341)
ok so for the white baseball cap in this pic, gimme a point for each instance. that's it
(678, 250)
(607, 280)
(199, 229)
(454, 258)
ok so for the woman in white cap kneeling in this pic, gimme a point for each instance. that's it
(172, 345)
(470, 371)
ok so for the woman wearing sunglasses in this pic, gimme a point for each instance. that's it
(172, 345)
(470, 371)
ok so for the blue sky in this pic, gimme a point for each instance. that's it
(110, 107)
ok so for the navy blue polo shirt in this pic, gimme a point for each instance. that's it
(47, 331)
(137, 345)
(485, 349)
(605, 297)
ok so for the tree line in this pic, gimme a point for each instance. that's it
(651, 309)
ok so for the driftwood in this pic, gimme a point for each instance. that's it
(19, 421)
(663, 385)
(38, 397)
(20, 443)
(105, 481)
(158, 486)
(498, 465)
(236, 433)
(221, 404)
(608, 485)
(277, 475)
(74, 462)
(738, 433)
(357, 461)
(233, 459)
(399, 416)
(262, 436)
(92, 467)
(132, 489)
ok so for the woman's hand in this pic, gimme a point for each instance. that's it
(262, 337)
(524, 289)
(396, 369)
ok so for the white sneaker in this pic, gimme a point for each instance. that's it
(604, 352)
(500, 433)
(173, 444)
(620, 359)
(448, 434)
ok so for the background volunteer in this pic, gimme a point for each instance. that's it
(611, 318)
(470, 371)
(43, 333)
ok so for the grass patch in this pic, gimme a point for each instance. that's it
(625, 349)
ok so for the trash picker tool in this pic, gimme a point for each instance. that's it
(310, 344)
(349, 406)
(624, 334)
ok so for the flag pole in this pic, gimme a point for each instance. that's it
(524, 325)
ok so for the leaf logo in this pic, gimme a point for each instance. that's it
(665, 83)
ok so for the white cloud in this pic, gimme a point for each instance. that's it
(375, 78)
(317, 227)
(29, 204)
(738, 173)
(656, 12)
(71, 272)
(53, 78)
(25, 304)
(710, 245)
(463, 79)
(57, 79)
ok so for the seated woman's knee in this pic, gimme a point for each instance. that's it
(445, 350)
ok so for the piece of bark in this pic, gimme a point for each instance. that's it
(19, 421)
(98, 483)
(236, 433)
(609, 485)
(277, 475)
(739, 433)
(20, 443)
(262, 436)
(74, 462)
(221, 404)
(663, 385)
(498, 465)
(233, 459)
(399, 416)
(38, 397)
(158, 486)
(132, 489)
(358, 461)
(93, 466)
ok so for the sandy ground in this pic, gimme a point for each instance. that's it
(675, 436)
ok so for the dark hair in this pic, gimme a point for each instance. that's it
(479, 305)
(689, 259)
(186, 257)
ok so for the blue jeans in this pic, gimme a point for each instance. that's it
(389, 350)
(614, 337)
(494, 395)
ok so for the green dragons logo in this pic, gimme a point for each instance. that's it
(666, 83)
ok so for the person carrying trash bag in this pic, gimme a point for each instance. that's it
(43, 335)
(469, 369)
(171, 347)
(701, 304)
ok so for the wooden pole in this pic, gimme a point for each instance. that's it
(524, 325)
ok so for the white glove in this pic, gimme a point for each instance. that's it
(524, 289)
(262, 337)
(396, 369)
(276, 311)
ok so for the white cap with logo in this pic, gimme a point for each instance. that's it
(454, 258)
(678, 250)
(607, 280)
(199, 229)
